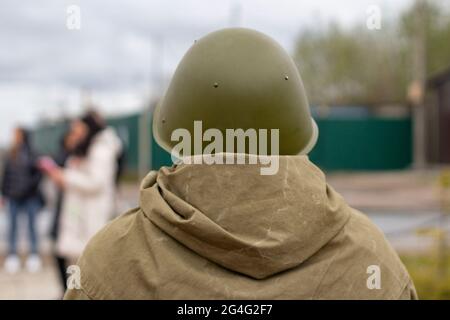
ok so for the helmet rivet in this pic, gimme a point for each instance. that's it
(286, 78)
(216, 85)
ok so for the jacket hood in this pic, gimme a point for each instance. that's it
(253, 224)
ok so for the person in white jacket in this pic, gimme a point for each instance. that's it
(88, 182)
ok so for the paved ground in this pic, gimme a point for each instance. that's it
(404, 191)
(25, 286)
(404, 204)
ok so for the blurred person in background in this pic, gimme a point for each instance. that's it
(88, 183)
(20, 189)
(67, 146)
(121, 157)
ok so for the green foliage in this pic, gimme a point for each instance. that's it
(362, 66)
(424, 270)
(437, 32)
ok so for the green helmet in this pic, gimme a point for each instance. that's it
(237, 78)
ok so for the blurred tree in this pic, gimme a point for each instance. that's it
(362, 66)
(437, 33)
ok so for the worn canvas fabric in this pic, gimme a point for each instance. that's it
(228, 232)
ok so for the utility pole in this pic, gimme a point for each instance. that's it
(86, 99)
(156, 85)
(235, 15)
(417, 88)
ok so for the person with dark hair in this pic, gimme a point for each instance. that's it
(88, 183)
(122, 156)
(20, 188)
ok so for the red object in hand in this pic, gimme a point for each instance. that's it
(46, 164)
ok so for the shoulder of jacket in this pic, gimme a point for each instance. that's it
(370, 239)
(101, 254)
(374, 242)
(357, 255)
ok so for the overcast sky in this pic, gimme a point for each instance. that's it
(123, 48)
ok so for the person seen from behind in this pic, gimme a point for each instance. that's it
(209, 229)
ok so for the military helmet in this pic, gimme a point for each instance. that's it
(237, 78)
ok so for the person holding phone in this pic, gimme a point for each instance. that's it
(88, 183)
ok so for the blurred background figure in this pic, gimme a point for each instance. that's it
(67, 146)
(121, 156)
(20, 189)
(88, 184)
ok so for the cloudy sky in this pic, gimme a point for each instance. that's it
(125, 48)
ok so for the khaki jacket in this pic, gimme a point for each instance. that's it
(228, 232)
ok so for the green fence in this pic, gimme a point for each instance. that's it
(344, 144)
(128, 130)
(46, 139)
(363, 144)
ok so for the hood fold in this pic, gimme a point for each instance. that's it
(253, 224)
